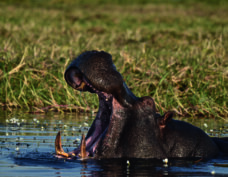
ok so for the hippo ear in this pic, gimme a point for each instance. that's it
(166, 118)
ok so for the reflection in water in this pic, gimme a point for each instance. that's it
(27, 148)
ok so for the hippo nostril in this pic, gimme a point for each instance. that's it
(73, 77)
(77, 81)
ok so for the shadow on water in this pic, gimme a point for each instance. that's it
(27, 149)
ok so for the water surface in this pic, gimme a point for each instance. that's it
(27, 149)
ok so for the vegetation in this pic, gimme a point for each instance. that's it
(175, 52)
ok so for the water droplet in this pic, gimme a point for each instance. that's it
(128, 163)
(165, 160)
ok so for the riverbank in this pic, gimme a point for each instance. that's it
(174, 52)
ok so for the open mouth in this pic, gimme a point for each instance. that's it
(99, 126)
(94, 71)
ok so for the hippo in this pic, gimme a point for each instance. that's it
(127, 126)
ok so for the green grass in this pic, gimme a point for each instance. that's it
(175, 52)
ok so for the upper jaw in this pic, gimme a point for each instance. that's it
(79, 81)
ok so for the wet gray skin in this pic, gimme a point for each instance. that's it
(127, 126)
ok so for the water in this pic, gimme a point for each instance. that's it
(27, 149)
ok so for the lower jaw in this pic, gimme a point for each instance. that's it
(91, 147)
(105, 107)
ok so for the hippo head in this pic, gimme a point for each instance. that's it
(125, 125)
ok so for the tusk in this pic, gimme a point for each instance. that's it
(83, 147)
(58, 146)
(82, 85)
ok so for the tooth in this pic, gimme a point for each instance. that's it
(58, 146)
(106, 99)
(83, 147)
